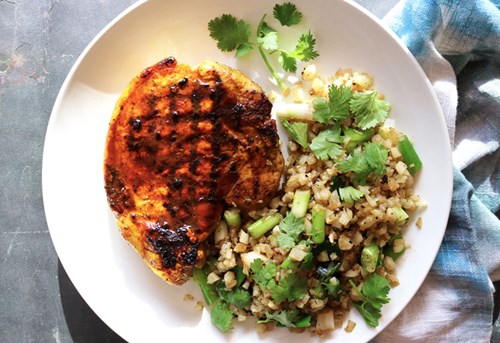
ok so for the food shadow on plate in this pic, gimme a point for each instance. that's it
(163, 298)
(83, 324)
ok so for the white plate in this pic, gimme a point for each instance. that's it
(109, 275)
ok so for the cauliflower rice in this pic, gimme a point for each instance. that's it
(350, 226)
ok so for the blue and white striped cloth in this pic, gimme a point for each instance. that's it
(457, 43)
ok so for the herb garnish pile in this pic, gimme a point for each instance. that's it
(234, 34)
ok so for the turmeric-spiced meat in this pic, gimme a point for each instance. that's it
(182, 143)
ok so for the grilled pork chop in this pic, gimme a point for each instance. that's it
(183, 143)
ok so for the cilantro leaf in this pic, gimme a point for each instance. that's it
(321, 110)
(368, 109)
(356, 163)
(288, 318)
(287, 61)
(261, 274)
(350, 194)
(297, 131)
(230, 33)
(304, 51)
(285, 241)
(304, 322)
(370, 314)
(376, 289)
(326, 145)
(238, 297)
(267, 37)
(291, 228)
(376, 155)
(292, 287)
(221, 316)
(340, 98)
(354, 137)
(287, 14)
(208, 290)
(374, 294)
(240, 276)
(363, 163)
(277, 293)
(233, 34)
(337, 106)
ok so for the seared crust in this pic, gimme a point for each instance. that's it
(182, 143)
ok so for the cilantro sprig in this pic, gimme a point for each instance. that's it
(233, 34)
(287, 14)
(297, 131)
(267, 37)
(371, 160)
(304, 51)
(221, 316)
(292, 287)
(261, 273)
(239, 297)
(369, 110)
(374, 294)
(288, 318)
(336, 108)
(326, 145)
(350, 194)
(289, 288)
(291, 229)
